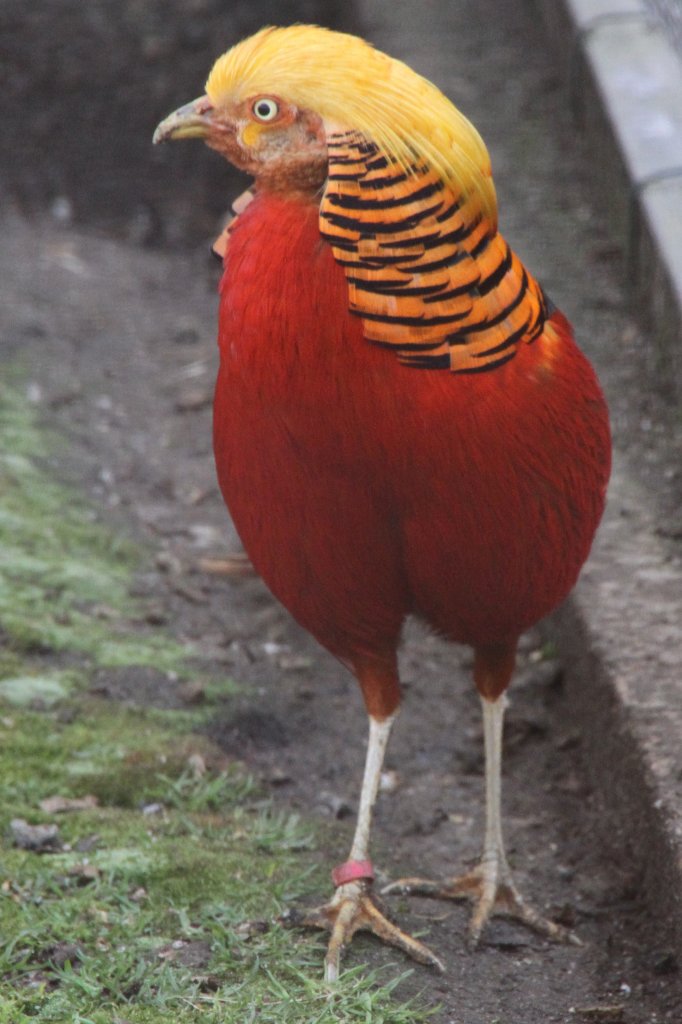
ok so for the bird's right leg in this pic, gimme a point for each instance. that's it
(489, 886)
(353, 907)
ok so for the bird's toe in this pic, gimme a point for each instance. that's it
(353, 908)
(490, 895)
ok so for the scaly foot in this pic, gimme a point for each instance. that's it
(491, 889)
(352, 908)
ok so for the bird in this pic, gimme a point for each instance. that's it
(403, 422)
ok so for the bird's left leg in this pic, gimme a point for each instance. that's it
(490, 885)
(353, 907)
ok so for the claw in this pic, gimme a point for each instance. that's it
(492, 891)
(351, 909)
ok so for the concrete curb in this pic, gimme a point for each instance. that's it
(620, 639)
(625, 83)
(620, 634)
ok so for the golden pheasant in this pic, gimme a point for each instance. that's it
(403, 423)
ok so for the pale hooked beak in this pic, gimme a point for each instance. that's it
(193, 121)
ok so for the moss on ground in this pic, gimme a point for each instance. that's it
(59, 567)
(160, 901)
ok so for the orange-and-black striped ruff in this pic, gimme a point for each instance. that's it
(426, 271)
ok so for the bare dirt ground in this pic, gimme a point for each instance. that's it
(108, 298)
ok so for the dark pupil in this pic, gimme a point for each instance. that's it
(264, 109)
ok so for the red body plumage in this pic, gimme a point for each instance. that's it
(364, 490)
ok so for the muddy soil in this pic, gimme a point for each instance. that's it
(107, 296)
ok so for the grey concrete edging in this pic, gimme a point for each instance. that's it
(620, 634)
(625, 83)
(620, 639)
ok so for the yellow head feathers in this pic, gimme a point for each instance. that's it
(354, 86)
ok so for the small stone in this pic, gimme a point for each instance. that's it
(192, 692)
(272, 649)
(168, 562)
(149, 809)
(195, 954)
(194, 399)
(61, 209)
(60, 804)
(248, 928)
(84, 873)
(34, 393)
(389, 781)
(197, 762)
(37, 838)
(335, 805)
(294, 662)
(61, 954)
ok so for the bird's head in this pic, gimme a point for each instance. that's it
(273, 101)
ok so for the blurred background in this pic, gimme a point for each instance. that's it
(84, 85)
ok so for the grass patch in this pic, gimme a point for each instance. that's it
(159, 903)
(58, 565)
(145, 917)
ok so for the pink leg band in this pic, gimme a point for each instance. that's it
(352, 871)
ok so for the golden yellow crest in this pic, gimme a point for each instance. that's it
(352, 85)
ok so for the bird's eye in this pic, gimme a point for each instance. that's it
(265, 109)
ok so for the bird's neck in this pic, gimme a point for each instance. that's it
(300, 180)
